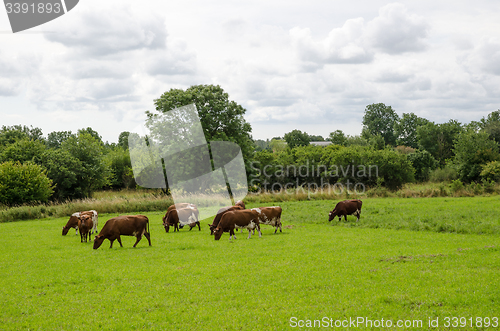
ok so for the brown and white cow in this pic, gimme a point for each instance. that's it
(270, 216)
(346, 207)
(181, 217)
(126, 225)
(237, 219)
(219, 215)
(85, 225)
(73, 221)
(240, 203)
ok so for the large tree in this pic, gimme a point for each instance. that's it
(406, 129)
(438, 139)
(221, 118)
(380, 119)
(296, 138)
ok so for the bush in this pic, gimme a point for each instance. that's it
(456, 186)
(491, 171)
(446, 174)
(424, 163)
(22, 183)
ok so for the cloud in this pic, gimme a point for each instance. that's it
(109, 31)
(177, 59)
(395, 31)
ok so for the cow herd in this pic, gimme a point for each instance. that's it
(179, 215)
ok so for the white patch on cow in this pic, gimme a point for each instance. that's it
(257, 210)
(77, 214)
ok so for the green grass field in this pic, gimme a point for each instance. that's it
(407, 259)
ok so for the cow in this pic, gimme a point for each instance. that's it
(240, 203)
(237, 219)
(126, 225)
(346, 207)
(94, 215)
(182, 217)
(73, 222)
(270, 216)
(219, 215)
(85, 225)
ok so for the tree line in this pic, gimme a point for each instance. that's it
(66, 165)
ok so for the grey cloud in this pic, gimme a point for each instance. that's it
(393, 77)
(109, 31)
(175, 60)
(396, 31)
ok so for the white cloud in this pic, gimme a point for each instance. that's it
(396, 31)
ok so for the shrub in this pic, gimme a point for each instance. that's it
(22, 183)
(456, 186)
(446, 174)
(491, 171)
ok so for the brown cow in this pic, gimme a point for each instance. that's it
(270, 216)
(240, 203)
(182, 217)
(219, 215)
(346, 207)
(237, 219)
(72, 223)
(85, 225)
(127, 225)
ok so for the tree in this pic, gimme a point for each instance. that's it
(406, 129)
(221, 118)
(491, 125)
(438, 139)
(296, 138)
(380, 119)
(93, 133)
(23, 150)
(11, 134)
(63, 169)
(93, 173)
(277, 145)
(56, 138)
(472, 151)
(316, 138)
(424, 163)
(338, 138)
(123, 139)
(22, 183)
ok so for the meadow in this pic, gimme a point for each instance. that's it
(415, 261)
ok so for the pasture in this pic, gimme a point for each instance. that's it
(407, 259)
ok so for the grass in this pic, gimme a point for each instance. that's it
(188, 281)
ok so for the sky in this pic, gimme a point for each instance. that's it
(307, 65)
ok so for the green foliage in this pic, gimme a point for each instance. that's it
(491, 125)
(221, 118)
(424, 163)
(338, 138)
(63, 169)
(11, 134)
(456, 186)
(438, 139)
(23, 150)
(92, 173)
(297, 138)
(445, 174)
(406, 129)
(118, 160)
(56, 138)
(380, 119)
(316, 138)
(277, 145)
(23, 183)
(123, 139)
(472, 151)
(491, 171)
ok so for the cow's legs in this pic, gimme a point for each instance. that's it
(258, 228)
(249, 233)
(148, 237)
(199, 227)
(139, 237)
(119, 240)
(112, 240)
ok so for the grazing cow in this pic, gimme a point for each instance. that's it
(237, 219)
(72, 223)
(94, 215)
(85, 225)
(240, 203)
(346, 207)
(127, 225)
(219, 215)
(270, 216)
(182, 217)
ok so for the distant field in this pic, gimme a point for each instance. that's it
(448, 267)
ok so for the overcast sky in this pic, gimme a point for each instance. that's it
(307, 65)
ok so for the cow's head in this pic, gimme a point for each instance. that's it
(240, 203)
(98, 241)
(85, 219)
(218, 233)
(332, 215)
(65, 230)
(212, 228)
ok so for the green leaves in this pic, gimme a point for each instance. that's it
(22, 183)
